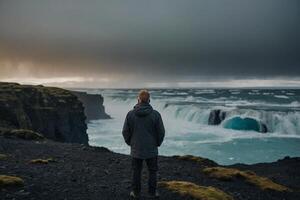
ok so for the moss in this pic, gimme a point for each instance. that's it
(41, 161)
(196, 159)
(188, 189)
(45, 108)
(3, 156)
(10, 181)
(221, 173)
(7, 97)
(23, 134)
(190, 158)
(249, 176)
(59, 92)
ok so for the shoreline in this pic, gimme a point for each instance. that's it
(237, 163)
(221, 163)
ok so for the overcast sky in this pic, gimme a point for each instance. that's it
(119, 43)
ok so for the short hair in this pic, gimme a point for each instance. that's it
(144, 96)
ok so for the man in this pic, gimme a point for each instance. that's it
(144, 132)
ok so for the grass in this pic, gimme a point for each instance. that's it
(228, 174)
(10, 181)
(58, 92)
(190, 158)
(23, 134)
(41, 161)
(13, 88)
(3, 156)
(195, 159)
(188, 189)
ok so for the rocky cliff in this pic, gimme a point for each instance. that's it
(93, 105)
(216, 117)
(53, 112)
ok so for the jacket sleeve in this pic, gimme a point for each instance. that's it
(160, 129)
(127, 131)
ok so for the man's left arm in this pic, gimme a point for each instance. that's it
(126, 132)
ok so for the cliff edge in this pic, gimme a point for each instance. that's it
(93, 105)
(55, 113)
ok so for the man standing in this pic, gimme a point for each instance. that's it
(144, 132)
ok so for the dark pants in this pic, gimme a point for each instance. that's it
(137, 166)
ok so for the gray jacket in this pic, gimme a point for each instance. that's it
(143, 131)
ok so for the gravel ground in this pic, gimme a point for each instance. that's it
(83, 172)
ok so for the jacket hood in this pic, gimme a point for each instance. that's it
(142, 109)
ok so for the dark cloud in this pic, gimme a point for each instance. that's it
(162, 39)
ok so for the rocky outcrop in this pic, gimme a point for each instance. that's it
(263, 128)
(55, 113)
(216, 117)
(93, 105)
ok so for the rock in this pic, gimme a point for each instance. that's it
(93, 105)
(55, 113)
(103, 186)
(99, 149)
(216, 117)
(263, 128)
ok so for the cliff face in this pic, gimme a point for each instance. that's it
(93, 105)
(53, 112)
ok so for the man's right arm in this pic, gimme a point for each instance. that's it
(126, 130)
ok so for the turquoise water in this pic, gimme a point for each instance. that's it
(186, 111)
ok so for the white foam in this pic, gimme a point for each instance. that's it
(205, 92)
(193, 118)
(168, 93)
(290, 93)
(281, 96)
(185, 118)
(181, 93)
(294, 104)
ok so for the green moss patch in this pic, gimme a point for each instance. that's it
(10, 181)
(58, 92)
(188, 189)
(249, 176)
(41, 161)
(22, 134)
(3, 156)
(196, 159)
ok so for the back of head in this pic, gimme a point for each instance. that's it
(143, 108)
(144, 96)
